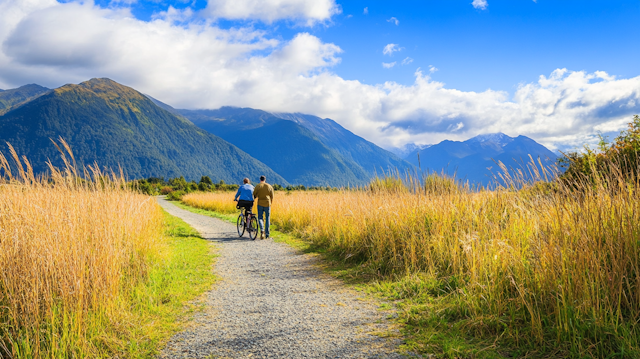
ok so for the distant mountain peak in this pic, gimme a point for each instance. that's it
(498, 138)
(15, 97)
(104, 88)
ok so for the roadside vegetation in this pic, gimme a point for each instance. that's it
(175, 188)
(546, 268)
(89, 268)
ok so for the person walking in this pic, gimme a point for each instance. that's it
(264, 193)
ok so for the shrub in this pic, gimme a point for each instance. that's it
(619, 159)
(206, 180)
(175, 195)
(166, 190)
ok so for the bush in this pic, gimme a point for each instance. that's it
(175, 195)
(166, 190)
(620, 158)
(206, 180)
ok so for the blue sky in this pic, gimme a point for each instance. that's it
(509, 42)
(556, 71)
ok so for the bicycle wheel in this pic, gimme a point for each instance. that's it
(240, 225)
(253, 228)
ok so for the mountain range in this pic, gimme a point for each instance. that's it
(303, 148)
(476, 159)
(117, 126)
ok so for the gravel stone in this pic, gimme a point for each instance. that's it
(273, 302)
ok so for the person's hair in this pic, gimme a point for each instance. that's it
(246, 180)
(263, 178)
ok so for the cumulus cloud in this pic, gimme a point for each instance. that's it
(407, 61)
(199, 65)
(389, 49)
(388, 65)
(310, 11)
(366, 11)
(394, 20)
(480, 4)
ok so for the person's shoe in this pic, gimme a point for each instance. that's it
(261, 235)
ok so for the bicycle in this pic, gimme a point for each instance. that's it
(247, 221)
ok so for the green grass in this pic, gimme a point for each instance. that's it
(164, 303)
(431, 316)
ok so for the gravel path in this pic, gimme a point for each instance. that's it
(272, 302)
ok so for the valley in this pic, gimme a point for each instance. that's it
(461, 258)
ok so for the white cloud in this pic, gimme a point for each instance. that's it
(309, 11)
(366, 11)
(389, 49)
(480, 4)
(432, 69)
(455, 127)
(394, 20)
(388, 65)
(199, 65)
(407, 61)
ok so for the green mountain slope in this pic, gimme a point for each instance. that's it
(298, 155)
(115, 125)
(15, 97)
(369, 156)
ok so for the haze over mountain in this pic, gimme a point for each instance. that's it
(476, 159)
(407, 149)
(115, 125)
(309, 148)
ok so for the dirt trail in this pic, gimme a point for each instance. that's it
(272, 302)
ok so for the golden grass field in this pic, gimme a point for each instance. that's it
(75, 264)
(554, 268)
(544, 270)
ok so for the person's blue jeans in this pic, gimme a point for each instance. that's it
(264, 225)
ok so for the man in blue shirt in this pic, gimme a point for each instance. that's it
(244, 196)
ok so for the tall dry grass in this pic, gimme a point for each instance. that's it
(70, 250)
(551, 265)
(221, 202)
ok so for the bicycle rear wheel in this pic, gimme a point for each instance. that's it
(253, 228)
(240, 225)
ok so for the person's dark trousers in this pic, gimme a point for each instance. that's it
(248, 205)
(264, 226)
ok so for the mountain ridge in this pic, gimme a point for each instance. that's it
(476, 159)
(116, 125)
(342, 146)
(13, 98)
